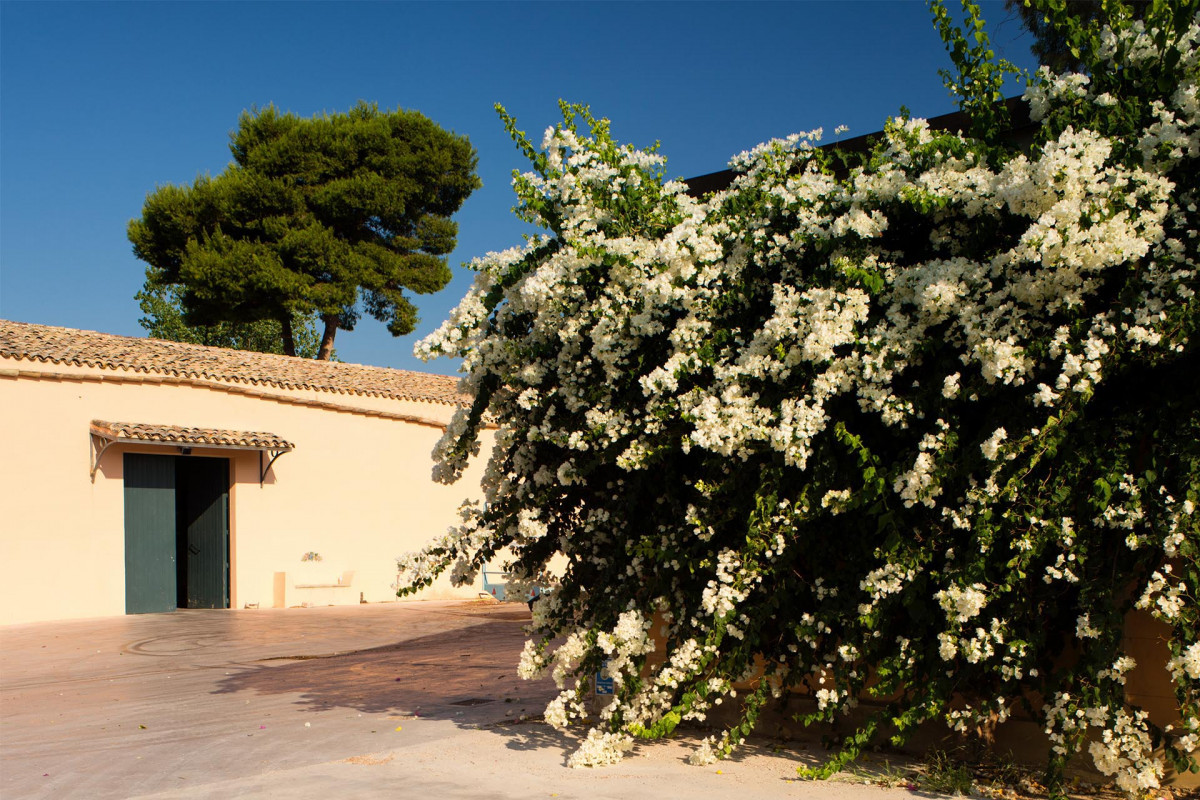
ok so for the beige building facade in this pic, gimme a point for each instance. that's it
(139, 475)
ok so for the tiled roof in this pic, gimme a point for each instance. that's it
(45, 343)
(199, 437)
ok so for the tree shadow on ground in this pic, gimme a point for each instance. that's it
(468, 675)
(537, 735)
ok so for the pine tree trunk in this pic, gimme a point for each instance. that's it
(289, 341)
(331, 327)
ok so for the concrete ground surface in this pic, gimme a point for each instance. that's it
(398, 700)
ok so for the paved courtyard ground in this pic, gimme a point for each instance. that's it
(396, 700)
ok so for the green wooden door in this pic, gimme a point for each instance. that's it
(150, 565)
(202, 506)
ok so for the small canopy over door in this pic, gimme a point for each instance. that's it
(177, 510)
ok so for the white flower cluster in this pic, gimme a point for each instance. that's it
(964, 719)
(919, 484)
(1084, 629)
(1163, 597)
(991, 447)
(1186, 665)
(962, 603)
(1126, 752)
(889, 579)
(1124, 749)
(1187, 739)
(533, 662)
(723, 593)
(455, 549)
(600, 748)
(628, 640)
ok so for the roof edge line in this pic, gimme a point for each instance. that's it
(96, 363)
(218, 386)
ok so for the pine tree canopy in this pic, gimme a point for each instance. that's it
(322, 216)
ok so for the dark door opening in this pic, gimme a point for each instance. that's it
(202, 532)
(176, 533)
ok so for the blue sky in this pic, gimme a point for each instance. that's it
(100, 102)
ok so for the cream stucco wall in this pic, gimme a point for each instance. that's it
(357, 488)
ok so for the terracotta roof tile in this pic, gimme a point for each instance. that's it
(199, 437)
(45, 343)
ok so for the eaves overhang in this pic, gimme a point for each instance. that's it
(105, 434)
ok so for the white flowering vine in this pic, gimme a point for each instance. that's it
(945, 391)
